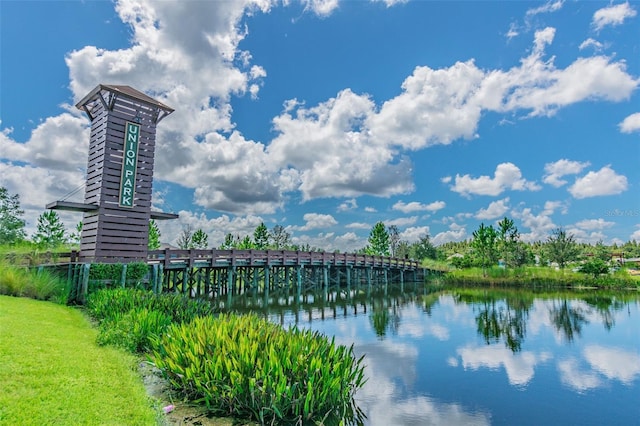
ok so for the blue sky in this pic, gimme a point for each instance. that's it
(327, 116)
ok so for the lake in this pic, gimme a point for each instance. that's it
(472, 356)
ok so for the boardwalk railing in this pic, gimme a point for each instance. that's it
(221, 258)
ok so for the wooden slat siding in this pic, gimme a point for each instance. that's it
(122, 233)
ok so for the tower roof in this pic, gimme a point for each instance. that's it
(121, 91)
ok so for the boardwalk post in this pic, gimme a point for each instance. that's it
(85, 282)
(123, 276)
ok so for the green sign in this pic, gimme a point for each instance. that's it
(129, 164)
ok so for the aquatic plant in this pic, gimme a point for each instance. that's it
(245, 366)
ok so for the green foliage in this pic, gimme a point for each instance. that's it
(133, 330)
(136, 271)
(248, 367)
(602, 252)
(484, 244)
(423, 249)
(261, 237)
(40, 285)
(509, 248)
(378, 240)
(594, 267)
(279, 237)
(537, 276)
(561, 247)
(199, 240)
(50, 231)
(111, 304)
(130, 318)
(154, 235)
(245, 244)
(228, 243)
(11, 223)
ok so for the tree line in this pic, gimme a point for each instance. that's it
(489, 245)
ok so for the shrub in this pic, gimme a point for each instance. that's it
(248, 367)
(133, 330)
(129, 318)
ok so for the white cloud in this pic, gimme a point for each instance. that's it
(348, 205)
(540, 226)
(520, 367)
(390, 3)
(603, 182)
(358, 225)
(513, 31)
(555, 171)
(593, 224)
(551, 206)
(415, 206)
(635, 236)
(335, 157)
(402, 221)
(581, 381)
(414, 233)
(548, 7)
(216, 228)
(316, 221)
(591, 43)
(495, 210)
(585, 236)
(612, 15)
(507, 176)
(346, 146)
(329, 241)
(58, 143)
(630, 123)
(614, 363)
(455, 233)
(369, 209)
(321, 8)
(38, 186)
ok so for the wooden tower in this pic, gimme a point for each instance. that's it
(117, 202)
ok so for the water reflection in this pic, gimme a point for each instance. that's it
(477, 356)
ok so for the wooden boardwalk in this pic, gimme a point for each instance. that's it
(171, 259)
(217, 273)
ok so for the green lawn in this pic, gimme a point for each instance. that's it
(53, 373)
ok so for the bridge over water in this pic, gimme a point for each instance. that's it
(215, 273)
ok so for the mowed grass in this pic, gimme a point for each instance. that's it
(53, 373)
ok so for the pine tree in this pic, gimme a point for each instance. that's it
(11, 223)
(378, 240)
(50, 232)
(200, 240)
(154, 235)
(261, 237)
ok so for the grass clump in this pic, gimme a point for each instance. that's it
(129, 318)
(52, 371)
(40, 285)
(247, 367)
